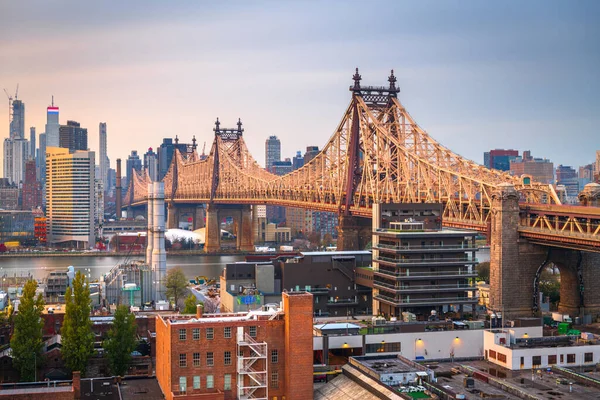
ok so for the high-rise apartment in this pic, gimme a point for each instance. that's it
(104, 161)
(73, 137)
(32, 189)
(133, 163)
(41, 159)
(499, 158)
(70, 197)
(52, 127)
(540, 169)
(311, 152)
(17, 123)
(32, 143)
(567, 176)
(151, 164)
(272, 151)
(597, 164)
(16, 146)
(165, 154)
(298, 160)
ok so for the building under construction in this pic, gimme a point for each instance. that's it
(129, 284)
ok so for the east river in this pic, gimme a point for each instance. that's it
(94, 267)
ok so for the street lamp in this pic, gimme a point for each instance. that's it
(416, 341)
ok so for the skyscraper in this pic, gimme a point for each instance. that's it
(567, 176)
(52, 127)
(104, 161)
(298, 160)
(499, 158)
(41, 159)
(133, 162)
(165, 154)
(151, 164)
(32, 142)
(17, 124)
(70, 181)
(73, 137)
(272, 151)
(16, 147)
(32, 189)
(540, 169)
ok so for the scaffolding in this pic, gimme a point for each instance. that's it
(252, 364)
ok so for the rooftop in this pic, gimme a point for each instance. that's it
(336, 253)
(425, 232)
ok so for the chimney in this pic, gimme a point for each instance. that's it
(159, 257)
(76, 385)
(118, 191)
(150, 221)
(199, 310)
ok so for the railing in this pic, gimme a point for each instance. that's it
(427, 260)
(430, 247)
(431, 300)
(342, 301)
(465, 286)
(427, 274)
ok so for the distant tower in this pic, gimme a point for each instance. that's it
(32, 142)
(104, 162)
(52, 126)
(272, 151)
(151, 164)
(16, 146)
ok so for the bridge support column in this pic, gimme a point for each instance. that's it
(172, 216)
(245, 239)
(199, 218)
(212, 233)
(354, 233)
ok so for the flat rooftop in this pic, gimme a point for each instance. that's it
(336, 253)
(432, 232)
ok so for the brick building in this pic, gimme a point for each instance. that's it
(266, 354)
(32, 189)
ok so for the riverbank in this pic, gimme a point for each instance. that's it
(136, 254)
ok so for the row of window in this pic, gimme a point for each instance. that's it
(209, 382)
(537, 360)
(210, 358)
(210, 333)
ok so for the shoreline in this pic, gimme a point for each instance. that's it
(199, 253)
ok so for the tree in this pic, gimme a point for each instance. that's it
(327, 240)
(26, 341)
(550, 284)
(77, 335)
(483, 271)
(189, 306)
(121, 341)
(315, 238)
(176, 284)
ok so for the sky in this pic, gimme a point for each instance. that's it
(475, 75)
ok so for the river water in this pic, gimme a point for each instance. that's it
(94, 267)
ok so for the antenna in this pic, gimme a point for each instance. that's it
(17, 92)
(10, 99)
(52, 100)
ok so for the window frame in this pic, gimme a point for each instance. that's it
(196, 359)
(274, 356)
(210, 333)
(182, 334)
(196, 333)
(227, 332)
(210, 381)
(182, 360)
(227, 360)
(210, 359)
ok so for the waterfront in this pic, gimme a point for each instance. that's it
(94, 267)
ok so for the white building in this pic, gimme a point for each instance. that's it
(15, 153)
(70, 197)
(52, 127)
(104, 161)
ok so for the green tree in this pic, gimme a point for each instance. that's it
(121, 341)
(77, 335)
(483, 272)
(176, 284)
(26, 341)
(190, 303)
(327, 240)
(550, 285)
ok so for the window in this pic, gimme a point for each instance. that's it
(493, 354)
(274, 356)
(274, 379)
(227, 384)
(552, 359)
(384, 347)
(227, 332)
(536, 361)
(182, 384)
(253, 331)
(502, 357)
(227, 358)
(570, 358)
(183, 360)
(562, 358)
(196, 382)
(210, 383)
(588, 357)
(182, 334)
(196, 333)
(196, 359)
(210, 333)
(210, 359)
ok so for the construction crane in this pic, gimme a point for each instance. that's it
(10, 100)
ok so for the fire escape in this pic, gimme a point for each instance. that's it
(251, 367)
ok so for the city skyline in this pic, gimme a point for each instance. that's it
(524, 75)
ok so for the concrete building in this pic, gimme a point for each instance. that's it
(32, 142)
(540, 169)
(31, 196)
(133, 163)
(419, 267)
(298, 160)
(16, 225)
(15, 152)
(272, 151)
(151, 164)
(585, 175)
(277, 234)
(261, 354)
(9, 195)
(103, 150)
(70, 197)
(40, 159)
(567, 176)
(311, 152)
(281, 167)
(73, 137)
(499, 158)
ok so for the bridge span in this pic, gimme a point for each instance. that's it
(378, 154)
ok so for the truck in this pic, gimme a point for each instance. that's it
(558, 317)
(286, 248)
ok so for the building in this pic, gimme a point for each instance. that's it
(585, 175)
(70, 197)
(272, 151)
(499, 159)
(73, 137)
(567, 176)
(277, 234)
(52, 126)
(262, 354)
(32, 142)
(282, 167)
(151, 164)
(104, 161)
(16, 151)
(40, 159)
(16, 225)
(129, 284)
(298, 160)
(540, 169)
(99, 206)
(133, 163)
(165, 154)
(9, 195)
(419, 267)
(597, 164)
(17, 122)
(32, 189)
(40, 228)
(299, 221)
(311, 152)
(325, 223)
